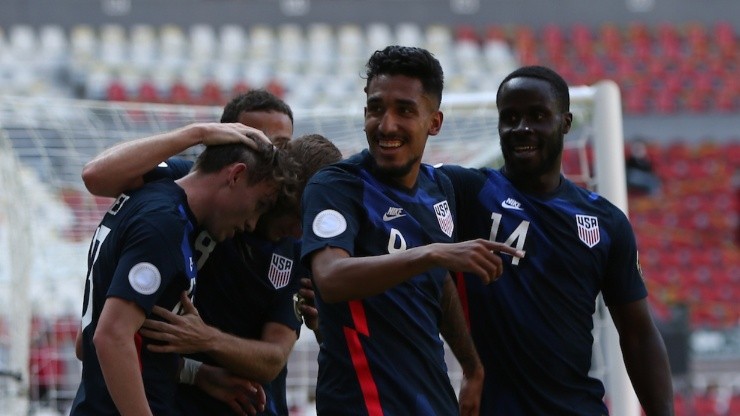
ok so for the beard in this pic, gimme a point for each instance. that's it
(393, 172)
(551, 152)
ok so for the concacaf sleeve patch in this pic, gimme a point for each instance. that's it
(145, 278)
(329, 223)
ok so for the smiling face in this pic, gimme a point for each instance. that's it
(399, 117)
(531, 128)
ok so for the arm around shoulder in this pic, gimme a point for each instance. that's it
(123, 166)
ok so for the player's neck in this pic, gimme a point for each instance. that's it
(538, 185)
(200, 190)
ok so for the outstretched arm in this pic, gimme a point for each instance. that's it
(340, 277)
(123, 166)
(455, 332)
(644, 356)
(256, 359)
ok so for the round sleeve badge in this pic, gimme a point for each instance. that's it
(329, 223)
(144, 278)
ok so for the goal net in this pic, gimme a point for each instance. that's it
(47, 218)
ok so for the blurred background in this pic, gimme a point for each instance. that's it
(676, 62)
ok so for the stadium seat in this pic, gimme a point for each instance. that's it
(232, 43)
(172, 46)
(148, 93)
(378, 35)
(203, 42)
(23, 42)
(179, 93)
(211, 94)
(113, 47)
(143, 45)
(116, 91)
(53, 43)
(410, 34)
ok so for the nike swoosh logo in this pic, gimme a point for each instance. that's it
(387, 217)
(508, 205)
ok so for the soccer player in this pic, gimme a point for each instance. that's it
(379, 237)
(247, 284)
(532, 327)
(141, 255)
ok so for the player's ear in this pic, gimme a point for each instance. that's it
(237, 172)
(567, 121)
(436, 125)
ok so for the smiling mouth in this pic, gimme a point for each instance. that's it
(525, 148)
(389, 144)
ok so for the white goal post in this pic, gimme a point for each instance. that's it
(47, 218)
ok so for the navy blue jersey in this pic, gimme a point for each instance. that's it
(141, 252)
(244, 283)
(381, 354)
(532, 327)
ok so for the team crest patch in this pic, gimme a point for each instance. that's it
(588, 229)
(444, 216)
(144, 278)
(329, 223)
(280, 268)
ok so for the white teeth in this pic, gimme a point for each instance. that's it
(390, 143)
(524, 148)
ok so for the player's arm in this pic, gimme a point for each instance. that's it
(114, 343)
(455, 332)
(78, 345)
(123, 166)
(644, 356)
(260, 360)
(340, 277)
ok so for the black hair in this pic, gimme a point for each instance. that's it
(409, 61)
(558, 84)
(254, 100)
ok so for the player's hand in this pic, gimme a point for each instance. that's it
(225, 133)
(308, 307)
(480, 257)
(182, 334)
(243, 396)
(471, 390)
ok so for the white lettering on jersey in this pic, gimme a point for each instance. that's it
(396, 242)
(101, 233)
(118, 204)
(516, 239)
(204, 244)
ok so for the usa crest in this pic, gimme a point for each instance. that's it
(588, 229)
(444, 216)
(280, 268)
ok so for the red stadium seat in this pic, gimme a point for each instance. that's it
(211, 94)
(239, 88)
(148, 93)
(180, 94)
(116, 91)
